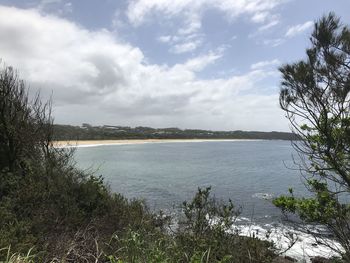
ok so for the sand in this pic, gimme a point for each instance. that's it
(94, 143)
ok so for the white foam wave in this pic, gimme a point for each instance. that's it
(288, 241)
(304, 245)
(266, 196)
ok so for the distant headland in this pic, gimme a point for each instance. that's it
(111, 132)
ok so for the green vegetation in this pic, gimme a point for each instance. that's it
(107, 132)
(315, 96)
(52, 212)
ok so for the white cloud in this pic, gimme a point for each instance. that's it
(191, 13)
(199, 63)
(192, 24)
(298, 29)
(185, 47)
(44, 3)
(58, 7)
(97, 78)
(272, 23)
(291, 32)
(139, 10)
(265, 63)
(186, 39)
(275, 42)
(260, 17)
(165, 39)
(267, 19)
(118, 22)
(181, 43)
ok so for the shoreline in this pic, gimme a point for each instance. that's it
(96, 143)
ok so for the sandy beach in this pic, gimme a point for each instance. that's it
(94, 143)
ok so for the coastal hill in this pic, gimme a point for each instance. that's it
(109, 132)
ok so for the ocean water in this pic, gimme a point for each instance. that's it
(250, 173)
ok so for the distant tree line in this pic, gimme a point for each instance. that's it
(106, 132)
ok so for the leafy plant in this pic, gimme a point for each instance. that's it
(315, 97)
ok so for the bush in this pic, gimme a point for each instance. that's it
(203, 235)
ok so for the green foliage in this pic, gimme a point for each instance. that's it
(315, 96)
(202, 236)
(202, 212)
(206, 231)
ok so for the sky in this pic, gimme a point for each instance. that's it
(206, 64)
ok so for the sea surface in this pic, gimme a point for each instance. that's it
(250, 173)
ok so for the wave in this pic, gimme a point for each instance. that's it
(288, 240)
(265, 196)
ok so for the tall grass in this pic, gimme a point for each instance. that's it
(13, 257)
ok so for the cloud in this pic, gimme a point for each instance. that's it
(52, 51)
(291, 32)
(298, 29)
(97, 78)
(275, 42)
(191, 12)
(265, 63)
(139, 10)
(269, 25)
(58, 7)
(44, 3)
(179, 44)
(164, 39)
(199, 63)
(118, 21)
(192, 24)
(186, 39)
(185, 47)
(260, 17)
